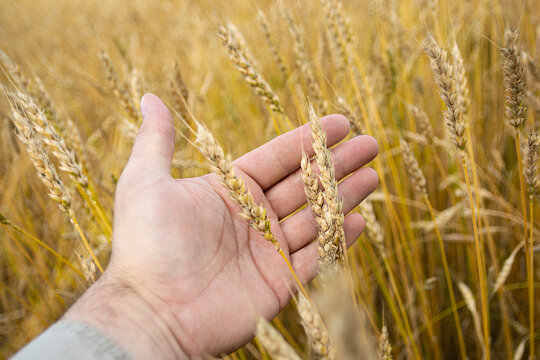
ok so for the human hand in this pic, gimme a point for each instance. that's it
(188, 276)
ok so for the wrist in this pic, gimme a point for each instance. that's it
(129, 319)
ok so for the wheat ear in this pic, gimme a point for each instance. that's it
(317, 334)
(252, 77)
(273, 342)
(253, 213)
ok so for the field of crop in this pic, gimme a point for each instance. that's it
(447, 265)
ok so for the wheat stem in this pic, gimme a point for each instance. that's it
(479, 261)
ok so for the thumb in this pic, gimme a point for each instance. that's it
(154, 146)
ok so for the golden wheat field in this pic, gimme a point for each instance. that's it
(447, 265)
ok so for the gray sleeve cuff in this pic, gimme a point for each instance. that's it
(71, 340)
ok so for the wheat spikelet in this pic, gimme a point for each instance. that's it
(444, 78)
(88, 267)
(45, 169)
(413, 169)
(470, 302)
(317, 334)
(506, 268)
(462, 84)
(15, 72)
(314, 196)
(530, 160)
(335, 34)
(374, 231)
(273, 342)
(356, 124)
(118, 89)
(222, 166)
(424, 124)
(179, 90)
(252, 77)
(272, 45)
(514, 83)
(135, 87)
(43, 127)
(304, 64)
(384, 352)
(331, 238)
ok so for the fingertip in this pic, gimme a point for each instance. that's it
(152, 105)
(372, 146)
(353, 226)
(373, 177)
(337, 122)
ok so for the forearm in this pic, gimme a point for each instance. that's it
(128, 319)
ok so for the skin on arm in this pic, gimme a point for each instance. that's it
(187, 275)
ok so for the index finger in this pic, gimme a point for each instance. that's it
(276, 159)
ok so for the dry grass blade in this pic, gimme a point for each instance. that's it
(506, 268)
(471, 305)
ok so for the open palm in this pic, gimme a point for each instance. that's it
(180, 244)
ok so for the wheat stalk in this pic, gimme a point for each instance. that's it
(444, 78)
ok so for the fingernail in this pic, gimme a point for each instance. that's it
(144, 105)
